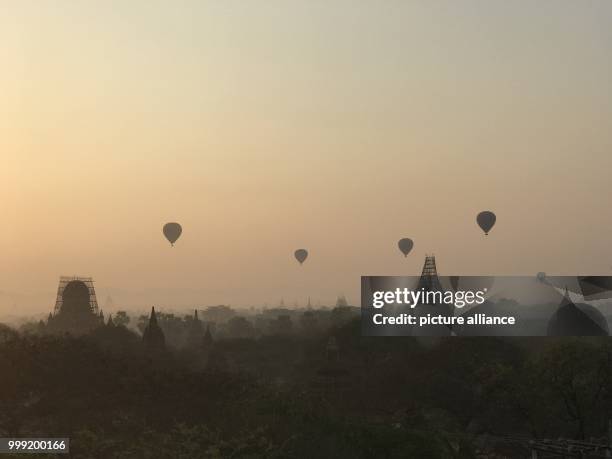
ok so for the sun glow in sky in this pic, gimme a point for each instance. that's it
(262, 127)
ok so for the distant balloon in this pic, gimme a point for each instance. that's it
(486, 220)
(405, 245)
(172, 231)
(301, 255)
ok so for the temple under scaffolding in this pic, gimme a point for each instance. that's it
(76, 307)
(429, 282)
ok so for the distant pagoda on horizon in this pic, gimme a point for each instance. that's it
(196, 336)
(153, 336)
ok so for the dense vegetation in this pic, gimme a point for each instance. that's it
(283, 395)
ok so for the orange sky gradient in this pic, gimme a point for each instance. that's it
(263, 127)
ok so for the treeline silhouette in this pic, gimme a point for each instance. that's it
(225, 322)
(265, 390)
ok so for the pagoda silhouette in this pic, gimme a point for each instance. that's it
(153, 336)
(76, 307)
(430, 282)
(581, 319)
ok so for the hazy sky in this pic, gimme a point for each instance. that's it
(262, 127)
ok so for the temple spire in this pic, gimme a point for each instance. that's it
(153, 336)
(429, 276)
(195, 333)
(153, 317)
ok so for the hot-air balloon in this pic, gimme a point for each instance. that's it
(172, 231)
(301, 255)
(405, 245)
(486, 220)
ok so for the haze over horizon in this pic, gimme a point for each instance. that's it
(339, 127)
